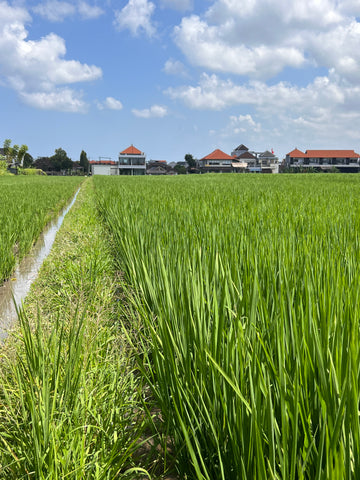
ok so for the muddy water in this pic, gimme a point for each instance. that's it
(14, 291)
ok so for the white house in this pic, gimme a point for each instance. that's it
(103, 167)
(132, 162)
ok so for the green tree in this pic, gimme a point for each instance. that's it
(61, 161)
(44, 163)
(21, 153)
(180, 169)
(84, 162)
(7, 149)
(190, 160)
(14, 153)
(27, 160)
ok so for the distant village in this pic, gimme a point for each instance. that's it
(132, 161)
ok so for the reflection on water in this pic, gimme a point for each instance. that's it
(14, 291)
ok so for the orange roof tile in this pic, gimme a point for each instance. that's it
(102, 162)
(218, 155)
(332, 154)
(297, 153)
(131, 151)
(324, 154)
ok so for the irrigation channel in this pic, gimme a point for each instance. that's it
(14, 290)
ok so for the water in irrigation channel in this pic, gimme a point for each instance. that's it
(14, 291)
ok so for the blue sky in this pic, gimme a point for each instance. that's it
(179, 76)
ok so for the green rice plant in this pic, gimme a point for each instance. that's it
(64, 413)
(27, 205)
(247, 287)
(70, 400)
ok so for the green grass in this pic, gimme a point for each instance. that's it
(247, 287)
(27, 204)
(71, 404)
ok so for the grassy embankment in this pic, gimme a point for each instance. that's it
(27, 205)
(71, 405)
(248, 291)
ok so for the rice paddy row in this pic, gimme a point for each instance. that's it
(27, 204)
(247, 289)
(71, 405)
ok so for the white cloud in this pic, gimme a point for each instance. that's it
(242, 124)
(339, 50)
(136, 16)
(12, 15)
(63, 100)
(175, 67)
(290, 13)
(259, 38)
(350, 7)
(54, 10)
(158, 111)
(58, 11)
(36, 68)
(207, 46)
(110, 103)
(180, 5)
(327, 107)
(213, 93)
(89, 11)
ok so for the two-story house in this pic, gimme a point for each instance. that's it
(324, 160)
(217, 161)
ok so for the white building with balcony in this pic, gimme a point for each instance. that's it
(132, 162)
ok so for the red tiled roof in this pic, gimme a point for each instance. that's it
(131, 151)
(218, 155)
(102, 162)
(324, 154)
(332, 154)
(297, 153)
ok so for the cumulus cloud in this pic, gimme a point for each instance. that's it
(327, 107)
(110, 103)
(63, 100)
(242, 124)
(155, 111)
(36, 69)
(214, 93)
(339, 50)
(259, 38)
(241, 44)
(207, 46)
(136, 17)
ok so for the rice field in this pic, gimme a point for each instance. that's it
(70, 404)
(247, 289)
(27, 204)
(190, 327)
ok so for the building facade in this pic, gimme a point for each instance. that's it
(103, 167)
(217, 161)
(132, 162)
(324, 160)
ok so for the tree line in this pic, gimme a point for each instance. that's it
(19, 155)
